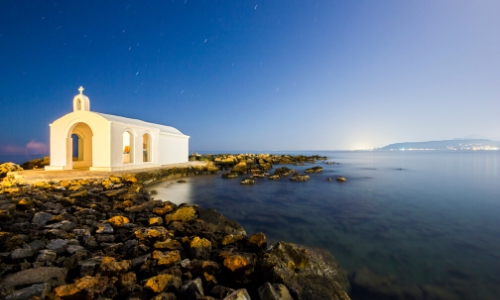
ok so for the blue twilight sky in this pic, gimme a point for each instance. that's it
(255, 75)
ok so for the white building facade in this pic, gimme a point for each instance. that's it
(84, 139)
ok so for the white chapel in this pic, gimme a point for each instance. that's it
(84, 139)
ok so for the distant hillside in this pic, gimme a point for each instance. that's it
(455, 144)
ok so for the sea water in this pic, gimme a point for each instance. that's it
(426, 218)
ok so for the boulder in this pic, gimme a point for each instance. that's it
(241, 168)
(168, 258)
(299, 177)
(9, 167)
(267, 291)
(231, 238)
(200, 248)
(158, 283)
(240, 294)
(182, 213)
(53, 276)
(305, 272)
(86, 287)
(21, 254)
(192, 290)
(34, 291)
(164, 209)
(58, 245)
(221, 223)
(37, 163)
(258, 239)
(230, 175)
(317, 169)
(104, 228)
(248, 181)
(169, 244)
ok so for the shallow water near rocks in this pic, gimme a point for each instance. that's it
(428, 218)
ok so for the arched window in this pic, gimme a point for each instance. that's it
(146, 148)
(79, 105)
(128, 148)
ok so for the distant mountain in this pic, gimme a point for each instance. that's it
(473, 137)
(455, 144)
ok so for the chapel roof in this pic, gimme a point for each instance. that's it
(118, 119)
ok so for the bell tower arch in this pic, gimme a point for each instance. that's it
(81, 102)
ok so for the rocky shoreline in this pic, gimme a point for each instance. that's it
(107, 239)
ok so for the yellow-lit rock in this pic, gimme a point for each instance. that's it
(211, 167)
(200, 248)
(152, 232)
(115, 179)
(197, 242)
(184, 214)
(235, 262)
(74, 188)
(128, 279)
(166, 259)
(129, 178)
(240, 167)
(118, 221)
(209, 279)
(65, 183)
(231, 238)
(107, 184)
(155, 221)
(84, 287)
(6, 184)
(258, 239)
(168, 244)
(127, 203)
(158, 283)
(82, 193)
(55, 219)
(24, 204)
(165, 209)
(109, 264)
(41, 184)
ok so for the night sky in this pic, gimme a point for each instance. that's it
(255, 75)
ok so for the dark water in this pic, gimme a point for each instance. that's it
(424, 217)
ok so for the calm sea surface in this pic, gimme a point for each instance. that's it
(424, 217)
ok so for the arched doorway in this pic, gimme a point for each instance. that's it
(79, 147)
(77, 151)
(146, 148)
(128, 147)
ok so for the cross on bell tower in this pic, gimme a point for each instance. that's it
(81, 102)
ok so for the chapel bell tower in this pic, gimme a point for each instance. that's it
(81, 102)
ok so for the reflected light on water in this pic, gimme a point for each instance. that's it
(173, 191)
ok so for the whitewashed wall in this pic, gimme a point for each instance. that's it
(173, 149)
(117, 130)
(60, 140)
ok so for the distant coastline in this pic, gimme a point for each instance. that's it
(453, 145)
